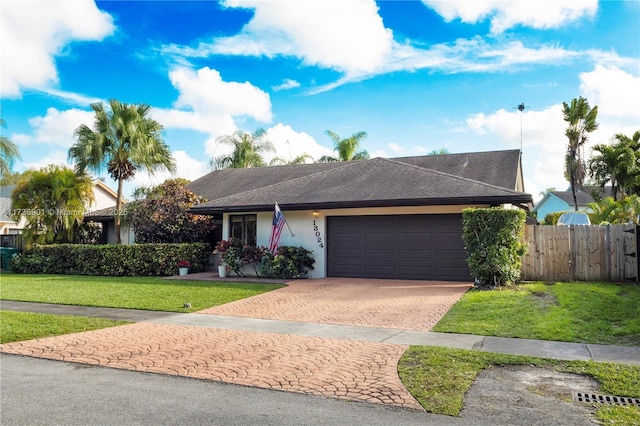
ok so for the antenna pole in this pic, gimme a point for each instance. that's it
(521, 108)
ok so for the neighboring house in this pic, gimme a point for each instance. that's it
(562, 201)
(9, 229)
(378, 218)
(105, 217)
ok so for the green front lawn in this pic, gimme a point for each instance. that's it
(149, 293)
(603, 313)
(18, 326)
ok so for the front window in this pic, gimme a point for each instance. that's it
(243, 227)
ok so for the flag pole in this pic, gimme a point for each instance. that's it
(285, 221)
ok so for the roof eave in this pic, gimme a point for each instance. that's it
(491, 200)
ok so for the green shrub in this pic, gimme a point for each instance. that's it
(494, 240)
(552, 218)
(289, 262)
(111, 260)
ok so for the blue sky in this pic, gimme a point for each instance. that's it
(415, 75)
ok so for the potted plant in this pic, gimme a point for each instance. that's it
(183, 267)
(229, 251)
(222, 248)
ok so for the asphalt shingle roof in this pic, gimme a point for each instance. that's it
(494, 167)
(376, 182)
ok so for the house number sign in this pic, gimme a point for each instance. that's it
(318, 234)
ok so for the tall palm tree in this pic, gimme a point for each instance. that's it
(247, 150)
(9, 153)
(347, 148)
(582, 121)
(124, 139)
(53, 201)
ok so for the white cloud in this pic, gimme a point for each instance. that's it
(543, 141)
(34, 33)
(55, 128)
(507, 14)
(539, 128)
(56, 157)
(204, 91)
(286, 84)
(348, 36)
(290, 144)
(209, 104)
(73, 98)
(187, 168)
(614, 91)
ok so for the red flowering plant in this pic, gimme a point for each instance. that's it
(184, 264)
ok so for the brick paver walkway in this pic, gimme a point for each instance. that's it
(408, 305)
(335, 368)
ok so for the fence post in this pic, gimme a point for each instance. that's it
(607, 252)
(637, 252)
(572, 253)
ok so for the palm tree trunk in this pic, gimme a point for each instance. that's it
(572, 174)
(118, 209)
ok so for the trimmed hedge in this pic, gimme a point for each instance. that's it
(494, 240)
(111, 260)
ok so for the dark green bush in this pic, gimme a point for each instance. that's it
(494, 240)
(289, 262)
(111, 260)
(552, 218)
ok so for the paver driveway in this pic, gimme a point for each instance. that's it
(337, 368)
(407, 305)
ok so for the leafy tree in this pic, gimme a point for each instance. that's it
(9, 153)
(582, 121)
(124, 139)
(347, 148)
(617, 163)
(11, 178)
(247, 150)
(163, 216)
(53, 200)
(552, 218)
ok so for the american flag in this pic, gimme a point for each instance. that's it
(276, 230)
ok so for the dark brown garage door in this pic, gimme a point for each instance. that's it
(414, 247)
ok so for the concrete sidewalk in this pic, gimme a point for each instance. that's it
(538, 348)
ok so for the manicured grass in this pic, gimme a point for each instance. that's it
(603, 313)
(439, 377)
(18, 326)
(150, 293)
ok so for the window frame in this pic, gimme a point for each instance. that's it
(248, 228)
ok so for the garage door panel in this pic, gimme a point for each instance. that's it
(426, 247)
(427, 254)
(378, 239)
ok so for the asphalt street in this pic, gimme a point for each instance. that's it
(43, 392)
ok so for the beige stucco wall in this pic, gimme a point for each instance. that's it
(103, 197)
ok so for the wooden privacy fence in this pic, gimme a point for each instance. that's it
(581, 253)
